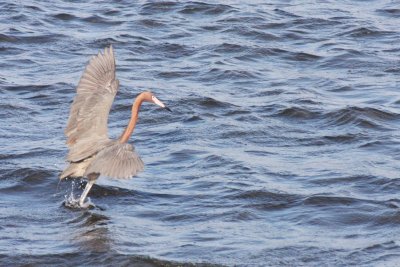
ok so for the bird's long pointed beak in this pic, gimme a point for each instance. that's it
(161, 104)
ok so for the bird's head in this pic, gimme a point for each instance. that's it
(150, 97)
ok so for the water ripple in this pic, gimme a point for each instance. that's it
(282, 144)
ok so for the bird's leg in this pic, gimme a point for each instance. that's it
(92, 179)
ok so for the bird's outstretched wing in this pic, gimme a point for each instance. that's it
(118, 160)
(86, 129)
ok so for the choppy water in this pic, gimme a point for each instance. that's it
(283, 147)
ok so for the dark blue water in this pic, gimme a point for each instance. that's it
(282, 150)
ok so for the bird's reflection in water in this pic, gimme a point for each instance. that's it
(92, 232)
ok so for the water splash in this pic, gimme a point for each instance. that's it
(72, 201)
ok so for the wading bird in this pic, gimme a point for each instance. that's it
(91, 152)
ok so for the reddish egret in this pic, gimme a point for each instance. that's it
(91, 152)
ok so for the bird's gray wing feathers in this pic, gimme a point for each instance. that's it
(85, 147)
(87, 124)
(116, 161)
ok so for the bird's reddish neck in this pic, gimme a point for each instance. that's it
(132, 122)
